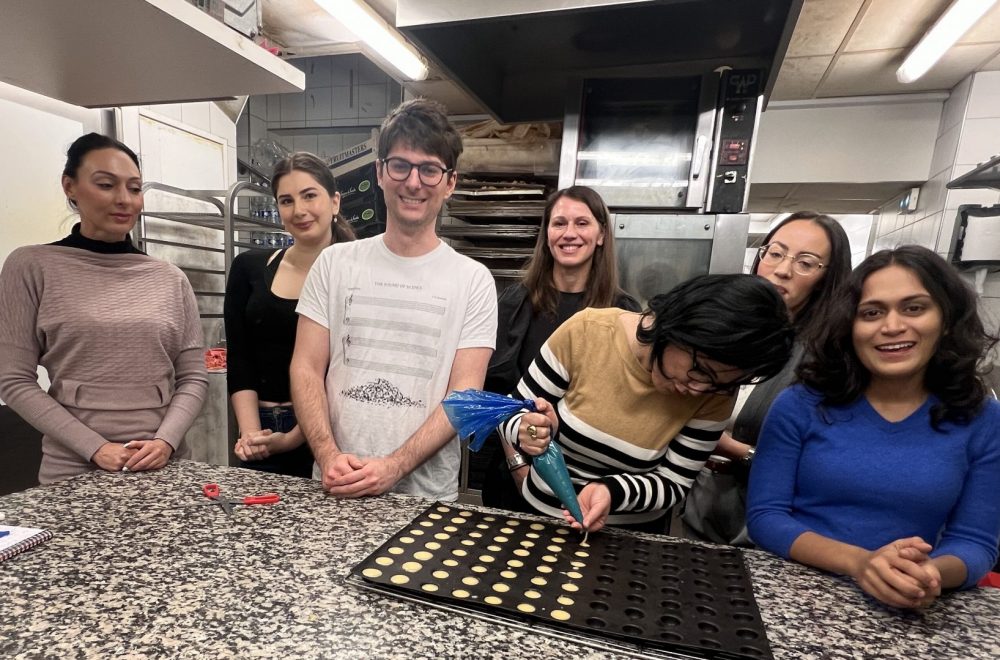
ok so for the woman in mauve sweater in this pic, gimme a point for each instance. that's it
(117, 331)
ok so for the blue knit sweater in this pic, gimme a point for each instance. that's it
(848, 474)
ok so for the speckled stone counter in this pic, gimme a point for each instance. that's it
(137, 570)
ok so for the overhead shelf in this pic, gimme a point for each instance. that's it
(133, 52)
(985, 175)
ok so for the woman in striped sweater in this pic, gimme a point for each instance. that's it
(638, 401)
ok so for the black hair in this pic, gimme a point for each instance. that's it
(421, 124)
(954, 373)
(737, 320)
(91, 142)
(834, 273)
(314, 166)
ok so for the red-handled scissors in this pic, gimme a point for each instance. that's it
(214, 493)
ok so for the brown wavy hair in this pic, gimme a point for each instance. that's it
(602, 282)
(303, 161)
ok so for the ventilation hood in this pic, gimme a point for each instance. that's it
(516, 56)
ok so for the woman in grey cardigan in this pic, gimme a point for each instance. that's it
(118, 331)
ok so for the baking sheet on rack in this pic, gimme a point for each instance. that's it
(670, 595)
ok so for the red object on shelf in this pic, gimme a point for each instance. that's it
(215, 359)
(990, 580)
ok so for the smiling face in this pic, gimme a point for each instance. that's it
(897, 326)
(306, 208)
(107, 192)
(411, 203)
(799, 237)
(573, 234)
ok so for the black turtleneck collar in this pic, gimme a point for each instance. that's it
(78, 240)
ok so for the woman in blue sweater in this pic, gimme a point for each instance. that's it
(884, 464)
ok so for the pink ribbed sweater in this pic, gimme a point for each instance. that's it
(120, 337)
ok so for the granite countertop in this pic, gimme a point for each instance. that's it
(136, 569)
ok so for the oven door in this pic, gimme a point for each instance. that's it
(655, 252)
(641, 142)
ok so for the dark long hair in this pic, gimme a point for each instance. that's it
(833, 275)
(602, 288)
(312, 165)
(738, 320)
(954, 373)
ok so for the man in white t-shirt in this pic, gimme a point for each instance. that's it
(389, 325)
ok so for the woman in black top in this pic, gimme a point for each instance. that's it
(573, 267)
(261, 295)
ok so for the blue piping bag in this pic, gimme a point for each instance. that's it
(476, 414)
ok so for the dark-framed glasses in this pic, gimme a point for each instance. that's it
(705, 381)
(803, 264)
(399, 169)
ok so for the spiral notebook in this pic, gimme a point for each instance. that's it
(19, 539)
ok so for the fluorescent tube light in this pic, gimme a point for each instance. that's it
(382, 41)
(956, 21)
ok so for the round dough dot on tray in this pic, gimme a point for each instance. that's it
(527, 544)
(562, 531)
(539, 581)
(544, 569)
(470, 580)
(479, 569)
(515, 563)
(422, 555)
(383, 561)
(441, 575)
(458, 552)
(536, 526)
(492, 600)
(426, 523)
(565, 600)
(532, 535)
(458, 521)
(450, 562)
(521, 552)
(395, 551)
(513, 523)
(506, 530)
(573, 575)
(443, 509)
(501, 587)
(526, 607)
(399, 579)
(486, 559)
(417, 532)
(468, 542)
(460, 593)
(510, 575)
(577, 564)
(559, 615)
(493, 548)
(434, 516)
(412, 566)
(531, 593)
(569, 586)
(482, 526)
(549, 558)
(406, 539)
(553, 548)
(429, 586)
(371, 573)
(451, 529)
(500, 539)
(475, 535)
(558, 539)
(467, 514)
(441, 536)
(432, 545)
(581, 553)
(489, 518)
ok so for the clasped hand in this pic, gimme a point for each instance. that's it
(347, 475)
(900, 574)
(133, 456)
(258, 445)
(537, 429)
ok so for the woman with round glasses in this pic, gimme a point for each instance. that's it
(573, 267)
(638, 401)
(807, 257)
(884, 464)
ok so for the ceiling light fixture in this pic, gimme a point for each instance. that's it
(956, 21)
(380, 41)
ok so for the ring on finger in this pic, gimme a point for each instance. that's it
(533, 431)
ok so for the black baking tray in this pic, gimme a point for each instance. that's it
(673, 596)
